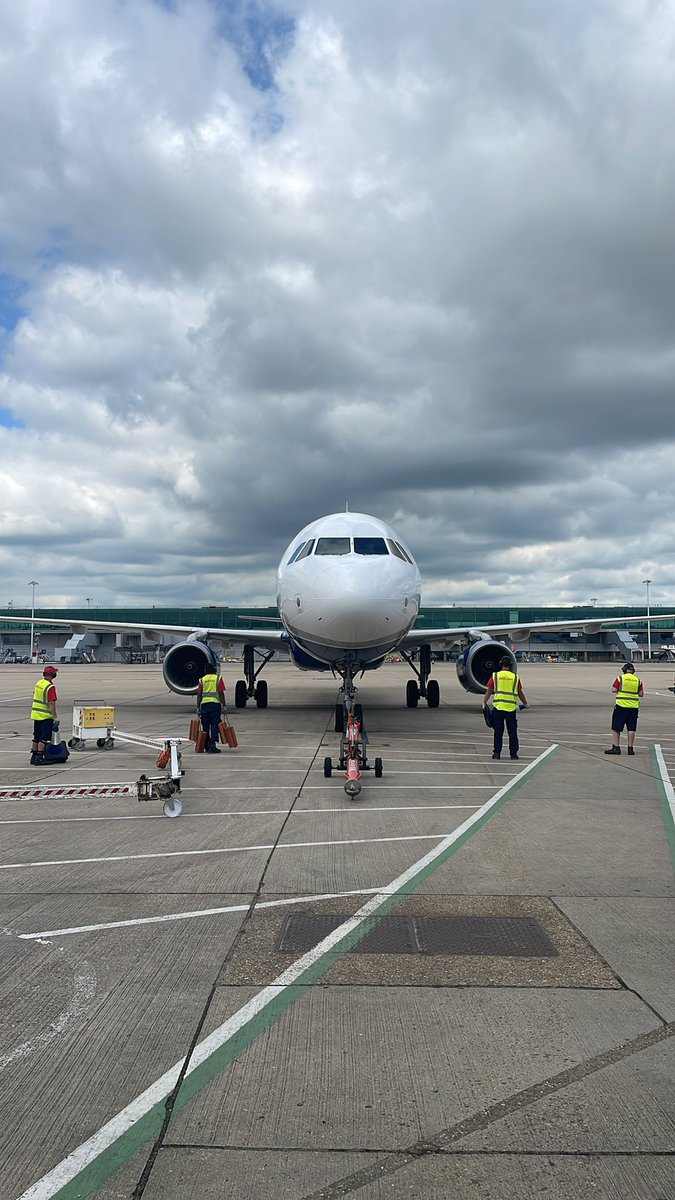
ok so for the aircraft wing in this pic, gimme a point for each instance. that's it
(266, 639)
(444, 639)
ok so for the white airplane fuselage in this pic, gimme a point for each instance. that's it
(348, 590)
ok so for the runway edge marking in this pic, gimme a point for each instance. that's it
(88, 1168)
(667, 797)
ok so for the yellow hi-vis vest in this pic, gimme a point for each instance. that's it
(506, 690)
(627, 695)
(41, 710)
(210, 693)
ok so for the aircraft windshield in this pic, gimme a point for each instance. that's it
(333, 545)
(370, 545)
(297, 552)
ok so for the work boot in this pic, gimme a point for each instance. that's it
(613, 750)
(631, 750)
(496, 755)
(37, 760)
(514, 756)
(215, 750)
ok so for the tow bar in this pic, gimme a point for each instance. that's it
(353, 755)
(148, 787)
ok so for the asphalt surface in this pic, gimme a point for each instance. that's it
(163, 1035)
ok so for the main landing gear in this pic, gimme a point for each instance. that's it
(427, 688)
(353, 742)
(248, 689)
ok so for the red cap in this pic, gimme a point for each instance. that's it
(51, 671)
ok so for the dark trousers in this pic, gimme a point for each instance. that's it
(42, 733)
(210, 718)
(500, 718)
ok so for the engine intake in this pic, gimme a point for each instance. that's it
(185, 663)
(479, 661)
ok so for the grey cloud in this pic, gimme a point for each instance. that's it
(430, 274)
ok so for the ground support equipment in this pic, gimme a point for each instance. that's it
(148, 787)
(353, 753)
(98, 721)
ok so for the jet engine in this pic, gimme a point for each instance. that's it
(185, 663)
(479, 661)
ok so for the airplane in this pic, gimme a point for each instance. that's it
(348, 594)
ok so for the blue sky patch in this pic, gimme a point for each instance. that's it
(9, 421)
(11, 308)
(260, 34)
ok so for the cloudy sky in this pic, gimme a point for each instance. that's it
(260, 259)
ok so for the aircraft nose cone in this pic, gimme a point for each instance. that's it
(348, 617)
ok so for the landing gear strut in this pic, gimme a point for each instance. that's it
(354, 740)
(427, 688)
(247, 689)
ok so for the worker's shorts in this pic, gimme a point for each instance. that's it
(42, 730)
(624, 718)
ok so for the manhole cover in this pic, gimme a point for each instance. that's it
(433, 936)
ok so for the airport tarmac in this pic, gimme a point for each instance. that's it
(208, 1008)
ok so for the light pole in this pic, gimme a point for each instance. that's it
(33, 584)
(89, 600)
(593, 601)
(649, 627)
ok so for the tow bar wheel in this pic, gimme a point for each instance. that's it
(328, 767)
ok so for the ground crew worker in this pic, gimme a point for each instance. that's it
(629, 691)
(210, 702)
(506, 690)
(43, 714)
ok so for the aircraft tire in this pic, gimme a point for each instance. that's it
(433, 693)
(339, 718)
(261, 693)
(412, 693)
(378, 768)
(240, 696)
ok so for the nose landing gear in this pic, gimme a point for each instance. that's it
(353, 742)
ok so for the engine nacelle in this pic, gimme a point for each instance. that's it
(185, 663)
(479, 661)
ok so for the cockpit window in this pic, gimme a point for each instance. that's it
(305, 550)
(370, 545)
(396, 549)
(404, 553)
(333, 545)
(296, 553)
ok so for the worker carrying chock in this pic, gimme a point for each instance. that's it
(210, 704)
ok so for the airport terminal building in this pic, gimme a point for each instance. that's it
(57, 645)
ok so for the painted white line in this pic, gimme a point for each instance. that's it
(665, 780)
(117, 1126)
(406, 787)
(351, 810)
(69, 862)
(197, 912)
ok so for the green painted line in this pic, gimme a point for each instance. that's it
(147, 1127)
(665, 793)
